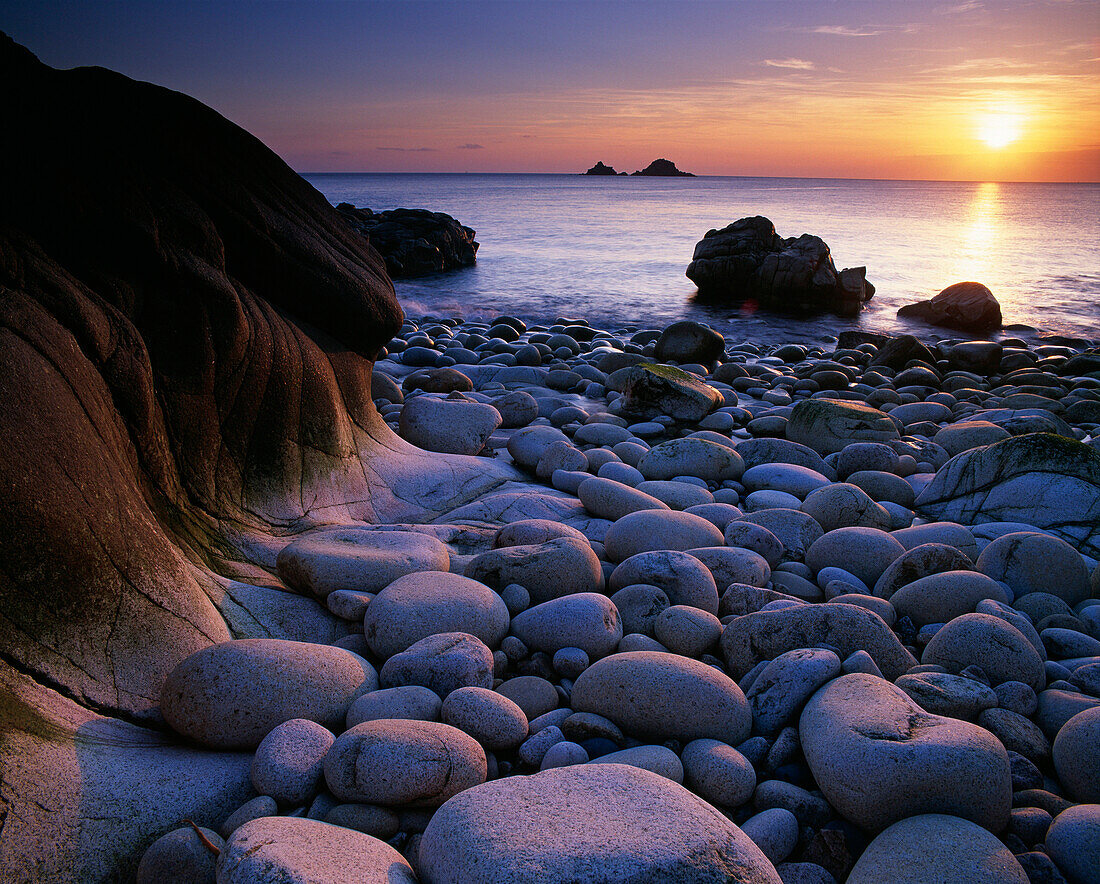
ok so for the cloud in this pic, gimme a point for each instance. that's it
(409, 149)
(470, 146)
(843, 31)
(794, 64)
(959, 8)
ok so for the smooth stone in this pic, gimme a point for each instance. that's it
(563, 754)
(676, 494)
(718, 773)
(1073, 842)
(866, 552)
(946, 533)
(765, 635)
(232, 694)
(796, 530)
(827, 425)
(396, 762)
(416, 606)
(357, 559)
(443, 663)
(770, 499)
(608, 499)
(762, 451)
(774, 831)
(733, 565)
(653, 695)
(639, 605)
(531, 532)
(487, 716)
(180, 856)
(859, 456)
(260, 806)
(917, 562)
(942, 693)
(790, 478)
(941, 597)
(516, 409)
(584, 823)
(656, 759)
(560, 456)
(746, 535)
(843, 505)
(1076, 758)
(587, 620)
(1017, 733)
(964, 435)
(883, 487)
(379, 822)
(785, 684)
(533, 694)
(527, 445)
(535, 747)
(1034, 562)
(1057, 707)
(878, 757)
(658, 530)
(409, 701)
(288, 762)
(687, 631)
(691, 456)
(681, 577)
(448, 426)
(286, 850)
(935, 848)
(547, 570)
(998, 647)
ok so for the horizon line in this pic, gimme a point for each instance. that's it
(700, 175)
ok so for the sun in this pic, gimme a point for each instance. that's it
(999, 129)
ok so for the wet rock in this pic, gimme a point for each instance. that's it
(414, 242)
(689, 341)
(968, 306)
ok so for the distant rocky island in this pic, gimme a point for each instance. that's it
(660, 168)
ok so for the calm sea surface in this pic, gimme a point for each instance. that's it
(614, 250)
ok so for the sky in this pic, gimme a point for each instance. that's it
(947, 89)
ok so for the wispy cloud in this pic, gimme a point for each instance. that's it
(844, 31)
(793, 64)
(409, 149)
(960, 8)
(470, 146)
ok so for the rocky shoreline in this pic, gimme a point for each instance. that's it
(297, 588)
(819, 610)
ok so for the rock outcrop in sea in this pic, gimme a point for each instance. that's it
(749, 261)
(663, 168)
(967, 306)
(696, 611)
(414, 242)
(601, 169)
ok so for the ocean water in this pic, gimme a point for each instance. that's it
(614, 250)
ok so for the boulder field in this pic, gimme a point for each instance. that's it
(765, 615)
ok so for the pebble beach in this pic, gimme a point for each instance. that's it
(744, 613)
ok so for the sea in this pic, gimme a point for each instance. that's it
(614, 250)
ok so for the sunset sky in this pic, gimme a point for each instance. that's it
(959, 89)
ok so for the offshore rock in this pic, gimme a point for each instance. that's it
(414, 242)
(601, 169)
(748, 260)
(663, 169)
(969, 306)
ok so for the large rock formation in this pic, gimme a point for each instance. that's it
(414, 242)
(748, 260)
(663, 168)
(186, 336)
